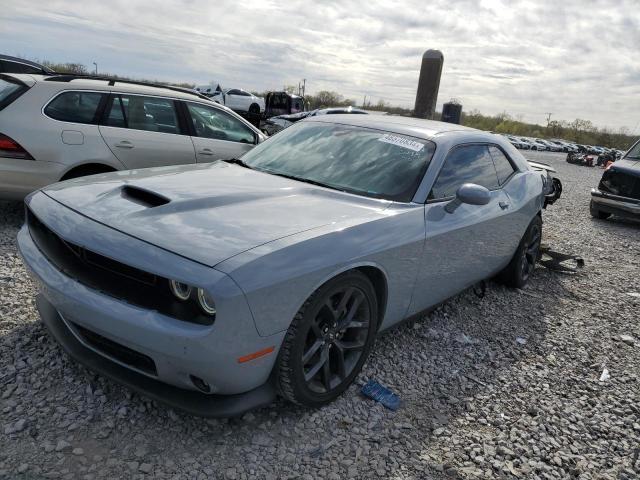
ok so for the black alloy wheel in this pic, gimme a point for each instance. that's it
(531, 251)
(328, 341)
(517, 272)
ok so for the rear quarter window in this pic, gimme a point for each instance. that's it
(503, 165)
(9, 91)
(76, 107)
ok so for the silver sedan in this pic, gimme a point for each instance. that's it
(216, 287)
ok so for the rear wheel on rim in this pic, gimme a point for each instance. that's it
(328, 341)
(517, 273)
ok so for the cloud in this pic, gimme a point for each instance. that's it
(572, 58)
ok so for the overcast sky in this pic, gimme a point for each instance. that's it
(574, 58)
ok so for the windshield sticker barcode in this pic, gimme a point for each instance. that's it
(401, 142)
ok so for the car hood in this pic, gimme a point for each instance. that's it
(627, 165)
(209, 212)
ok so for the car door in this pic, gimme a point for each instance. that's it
(468, 245)
(235, 100)
(145, 131)
(216, 134)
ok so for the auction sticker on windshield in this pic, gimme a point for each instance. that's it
(401, 142)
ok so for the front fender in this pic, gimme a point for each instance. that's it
(278, 277)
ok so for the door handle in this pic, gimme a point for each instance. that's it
(503, 205)
(124, 144)
(206, 151)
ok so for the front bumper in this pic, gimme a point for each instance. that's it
(615, 205)
(177, 350)
(20, 177)
(189, 401)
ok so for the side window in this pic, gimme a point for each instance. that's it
(466, 164)
(233, 92)
(153, 114)
(504, 168)
(210, 122)
(76, 107)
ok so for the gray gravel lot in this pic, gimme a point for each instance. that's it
(507, 386)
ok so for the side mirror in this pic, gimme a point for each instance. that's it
(471, 194)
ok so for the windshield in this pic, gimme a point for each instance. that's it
(634, 152)
(353, 159)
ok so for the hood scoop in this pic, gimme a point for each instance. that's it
(142, 196)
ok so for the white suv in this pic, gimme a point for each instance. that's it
(55, 127)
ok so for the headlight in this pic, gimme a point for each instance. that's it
(182, 291)
(207, 304)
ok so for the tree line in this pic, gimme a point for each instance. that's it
(579, 130)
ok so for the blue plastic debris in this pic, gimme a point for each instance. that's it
(377, 392)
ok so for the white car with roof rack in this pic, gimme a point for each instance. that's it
(57, 127)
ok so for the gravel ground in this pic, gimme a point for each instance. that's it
(505, 386)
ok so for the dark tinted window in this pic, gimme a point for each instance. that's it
(468, 164)
(354, 159)
(7, 66)
(211, 122)
(152, 114)
(9, 91)
(77, 107)
(504, 168)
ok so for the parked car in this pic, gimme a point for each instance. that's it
(528, 142)
(516, 142)
(10, 64)
(58, 127)
(283, 103)
(273, 125)
(209, 89)
(618, 192)
(538, 144)
(563, 146)
(239, 100)
(551, 146)
(212, 287)
(552, 186)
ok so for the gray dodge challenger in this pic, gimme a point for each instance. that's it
(216, 287)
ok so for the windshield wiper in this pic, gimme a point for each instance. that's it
(306, 180)
(237, 161)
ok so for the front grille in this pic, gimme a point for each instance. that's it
(111, 277)
(117, 351)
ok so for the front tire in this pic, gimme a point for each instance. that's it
(328, 341)
(521, 266)
(596, 212)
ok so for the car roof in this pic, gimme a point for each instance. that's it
(416, 127)
(70, 82)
